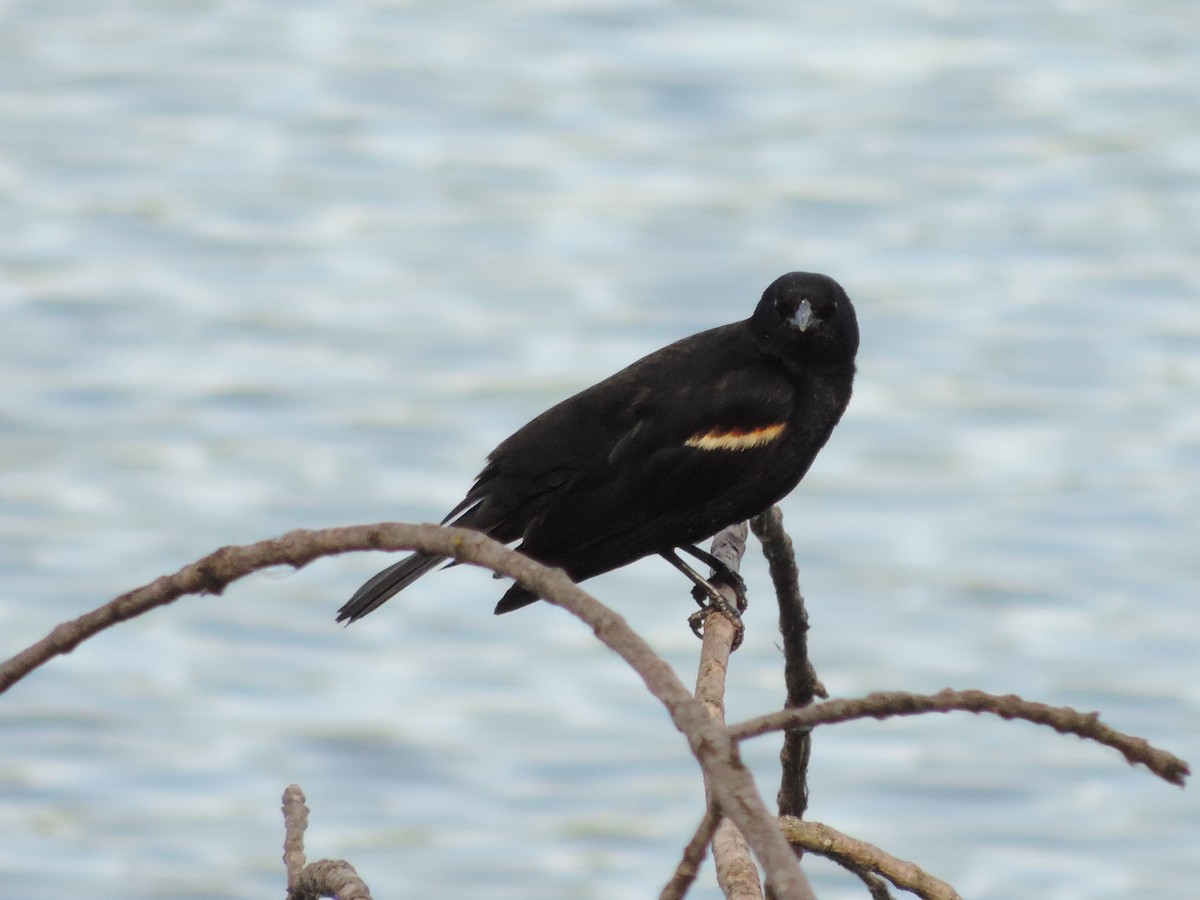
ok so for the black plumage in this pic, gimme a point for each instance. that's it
(704, 433)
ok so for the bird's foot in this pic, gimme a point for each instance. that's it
(708, 595)
(703, 594)
(721, 574)
(712, 600)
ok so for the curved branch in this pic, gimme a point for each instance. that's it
(324, 878)
(329, 878)
(863, 857)
(886, 704)
(729, 781)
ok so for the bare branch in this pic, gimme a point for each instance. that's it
(1062, 719)
(713, 745)
(777, 548)
(329, 878)
(693, 856)
(728, 546)
(295, 823)
(736, 874)
(862, 857)
(876, 886)
(324, 878)
(800, 679)
(730, 783)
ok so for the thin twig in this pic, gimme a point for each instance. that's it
(736, 873)
(876, 886)
(886, 704)
(863, 857)
(329, 878)
(295, 823)
(693, 855)
(800, 679)
(325, 877)
(719, 631)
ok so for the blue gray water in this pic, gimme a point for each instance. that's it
(281, 264)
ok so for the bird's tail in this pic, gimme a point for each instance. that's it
(387, 584)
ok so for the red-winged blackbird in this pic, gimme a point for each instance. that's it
(702, 434)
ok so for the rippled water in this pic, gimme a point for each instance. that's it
(294, 264)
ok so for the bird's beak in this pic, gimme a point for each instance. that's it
(803, 316)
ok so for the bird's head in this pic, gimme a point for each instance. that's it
(805, 315)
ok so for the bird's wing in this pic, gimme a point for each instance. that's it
(695, 455)
(528, 470)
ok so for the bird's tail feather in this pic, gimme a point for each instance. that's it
(515, 597)
(387, 584)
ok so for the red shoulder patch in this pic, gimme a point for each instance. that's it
(735, 438)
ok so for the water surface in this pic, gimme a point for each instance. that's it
(284, 265)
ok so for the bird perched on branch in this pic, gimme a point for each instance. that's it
(704, 433)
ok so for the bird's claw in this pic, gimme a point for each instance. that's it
(705, 596)
(715, 601)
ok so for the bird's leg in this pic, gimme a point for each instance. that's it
(721, 573)
(716, 600)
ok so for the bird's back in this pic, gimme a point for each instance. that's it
(659, 455)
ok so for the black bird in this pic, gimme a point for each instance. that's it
(702, 434)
